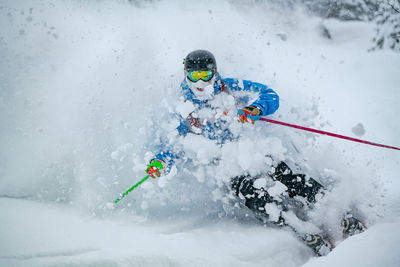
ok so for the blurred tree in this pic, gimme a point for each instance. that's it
(388, 26)
(343, 9)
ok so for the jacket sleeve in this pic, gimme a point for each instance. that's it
(268, 100)
(165, 151)
(168, 157)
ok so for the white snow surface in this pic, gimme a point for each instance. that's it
(59, 236)
(88, 88)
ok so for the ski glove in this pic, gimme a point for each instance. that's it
(249, 113)
(156, 168)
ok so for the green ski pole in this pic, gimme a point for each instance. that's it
(130, 189)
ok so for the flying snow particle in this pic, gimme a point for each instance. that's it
(185, 109)
(282, 35)
(144, 205)
(358, 130)
(260, 183)
(110, 206)
(114, 155)
(277, 189)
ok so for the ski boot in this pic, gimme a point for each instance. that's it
(352, 226)
(318, 244)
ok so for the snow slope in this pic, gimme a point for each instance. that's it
(85, 86)
(376, 247)
(58, 236)
(38, 234)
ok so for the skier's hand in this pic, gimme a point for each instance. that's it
(156, 168)
(249, 114)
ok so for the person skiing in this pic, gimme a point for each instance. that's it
(201, 85)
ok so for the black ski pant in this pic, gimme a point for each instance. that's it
(300, 195)
(256, 198)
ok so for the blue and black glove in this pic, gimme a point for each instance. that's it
(249, 114)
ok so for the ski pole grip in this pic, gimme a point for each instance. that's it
(154, 166)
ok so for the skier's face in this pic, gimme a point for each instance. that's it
(203, 90)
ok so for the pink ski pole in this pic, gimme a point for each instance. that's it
(328, 133)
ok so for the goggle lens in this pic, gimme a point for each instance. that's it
(205, 75)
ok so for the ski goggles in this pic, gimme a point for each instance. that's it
(204, 75)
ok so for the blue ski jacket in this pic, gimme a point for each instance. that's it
(267, 102)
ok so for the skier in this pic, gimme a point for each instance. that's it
(202, 84)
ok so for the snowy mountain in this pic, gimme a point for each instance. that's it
(86, 89)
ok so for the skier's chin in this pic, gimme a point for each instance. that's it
(203, 95)
(202, 90)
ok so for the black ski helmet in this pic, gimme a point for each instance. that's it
(200, 60)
